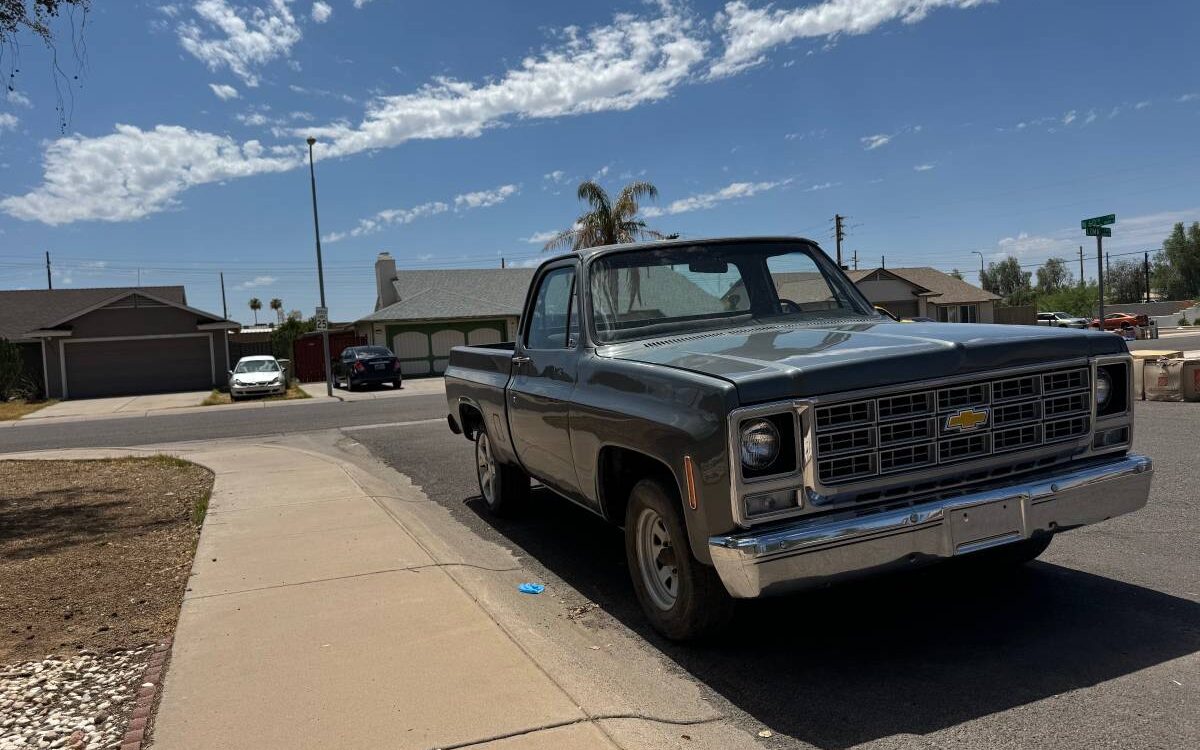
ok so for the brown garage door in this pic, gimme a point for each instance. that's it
(126, 368)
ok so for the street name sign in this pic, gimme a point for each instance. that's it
(1098, 221)
(1097, 231)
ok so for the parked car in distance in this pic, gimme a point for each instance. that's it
(366, 365)
(757, 428)
(1117, 321)
(258, 375)
(1061, 320)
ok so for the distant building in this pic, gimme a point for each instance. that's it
(420, 315)
(927, 293)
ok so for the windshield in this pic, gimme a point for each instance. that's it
(257, 365)
(372, 351)
(686, 288)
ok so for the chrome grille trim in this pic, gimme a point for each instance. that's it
(910, 428)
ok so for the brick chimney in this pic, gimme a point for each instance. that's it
(385, 274)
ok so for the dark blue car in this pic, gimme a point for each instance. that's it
(366, 365)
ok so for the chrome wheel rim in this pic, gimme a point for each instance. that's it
(656, 559)
(485, 464)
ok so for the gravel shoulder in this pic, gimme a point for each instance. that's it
(94, 560)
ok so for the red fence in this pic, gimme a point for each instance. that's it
(307, 357)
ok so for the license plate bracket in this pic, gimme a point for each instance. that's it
(986, 525)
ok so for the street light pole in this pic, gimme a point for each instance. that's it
(980, 266)
(312, 174)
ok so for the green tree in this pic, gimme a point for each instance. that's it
(1053, 276)
(1076, 300)
(1125, 282)
(255, 305)
(607, 222)
(1006, 279)
(13, 381)
(286, 334)
(957, 274)
(34, 16)
(1177, 268)
(277, 306)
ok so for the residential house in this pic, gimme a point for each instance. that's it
(925, 292)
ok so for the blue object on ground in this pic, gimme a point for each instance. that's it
(531, 588)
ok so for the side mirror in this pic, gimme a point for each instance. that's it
(230, 373)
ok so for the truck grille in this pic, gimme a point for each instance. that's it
(951, 425)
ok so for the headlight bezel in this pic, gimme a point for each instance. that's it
(786, 473)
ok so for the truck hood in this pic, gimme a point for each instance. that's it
(772, 362)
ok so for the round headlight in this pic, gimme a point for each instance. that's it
(1103, 387)
(760, 444)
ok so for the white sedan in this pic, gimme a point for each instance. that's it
(259, 375)
(1061, 320)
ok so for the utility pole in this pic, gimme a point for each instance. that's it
(1108, 264)
(980, 266)
(1082, 281)
(224, 307)
(883, 262)
(855, 260)
(502, 261)
(312, 174)
(1146, 267)
(840, 235)
(49, 283)
(1100, 276)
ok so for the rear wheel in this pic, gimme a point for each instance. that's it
(504, 488)
(683, 598)
(397, 383)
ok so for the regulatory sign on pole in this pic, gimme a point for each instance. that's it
(1097, 231)
(1098, 221)
(322, 318)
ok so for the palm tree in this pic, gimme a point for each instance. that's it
(255, 305)
(277, 306)
(608, 222)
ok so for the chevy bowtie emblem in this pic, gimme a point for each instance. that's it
(967, 420)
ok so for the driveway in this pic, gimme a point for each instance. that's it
(416, 386)
(96, 407)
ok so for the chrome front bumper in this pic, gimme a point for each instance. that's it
(818, 551)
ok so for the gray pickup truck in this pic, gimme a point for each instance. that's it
(756, 427)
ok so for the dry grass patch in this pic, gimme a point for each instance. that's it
(219, 397)
(95, 554)
(18, 408)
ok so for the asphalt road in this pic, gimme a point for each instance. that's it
(220, 422)
(1094, 646)
(1188, 342)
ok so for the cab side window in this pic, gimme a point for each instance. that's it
(553, 321)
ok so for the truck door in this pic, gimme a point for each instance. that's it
(543, 379)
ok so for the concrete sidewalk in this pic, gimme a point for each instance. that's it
(130, 407)
(330, 607)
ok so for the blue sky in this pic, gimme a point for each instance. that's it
(453, 133)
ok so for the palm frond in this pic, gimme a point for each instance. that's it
(565, 238)
(627, 201)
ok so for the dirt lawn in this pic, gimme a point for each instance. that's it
(95, 554)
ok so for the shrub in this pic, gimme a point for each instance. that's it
(1183, 321)
(14, 383)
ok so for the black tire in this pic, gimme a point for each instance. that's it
(349, 384)
(505, 490)
(397, 383)
(701, 607)
(1012, 555)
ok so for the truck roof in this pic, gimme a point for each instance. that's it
(591, 252)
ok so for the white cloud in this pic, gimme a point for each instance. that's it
(358, 4)
(8, 122)
(923, 167)
(255, 119)
(820, 186)
(633, 61)
(484, 198)
(1091, 117)
(257, 281)
(241, 39)
(1141, 105)
(401, 216)
(1068, 118)
(19, 99)
(557, 176)
(321, 11)
(872, 142)
(1188, 98)
(224, 91)
(132, 172)
(541, 238)
(704, 201)
(750, 32)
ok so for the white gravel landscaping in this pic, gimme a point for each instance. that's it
(80, 702)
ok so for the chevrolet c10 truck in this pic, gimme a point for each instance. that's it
(757, 427)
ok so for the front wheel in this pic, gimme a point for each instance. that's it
(683, 598)
(504, 488)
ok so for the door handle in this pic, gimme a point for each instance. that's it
(519, 359)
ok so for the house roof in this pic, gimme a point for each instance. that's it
(25, 310)
(940, 288)
(456, 293)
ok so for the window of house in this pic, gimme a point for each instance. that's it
(968, 314)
